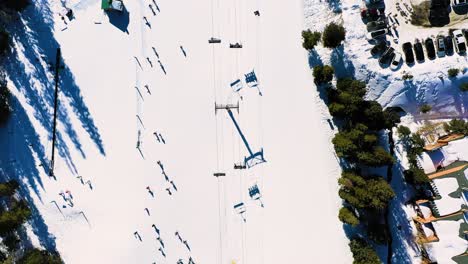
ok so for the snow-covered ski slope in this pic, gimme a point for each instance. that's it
(108, 110)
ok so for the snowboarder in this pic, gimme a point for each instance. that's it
(150, 191)
(147, 89)
(190, 261)
(89, 184)
(162, 139)
(157, 137)
(257, 13)
(162, 252)
(162, 67)
(149, 61)
(183, 51)
(147, 211)
(152, 10)
(155, 228)
(160, 165)
(157, 7)
(178, 235)
(173, 185)
(81, 179)
(169, 191)
(155, 52)
(137, 235)
(138, 61)
(160, 241)
(186, 244)
(147, 22)
(180, 261)
(165, 176)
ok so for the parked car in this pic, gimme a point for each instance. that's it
(459, 2)
(440, 46)
(371, 14)
(408, 50)
(418, 49)
(459, 41)
(377, 34)
(449, 45)
(376, 25)
(387, 56)
(430, 48)
(379, 48)
(396, 61)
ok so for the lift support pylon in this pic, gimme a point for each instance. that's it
(254, 158)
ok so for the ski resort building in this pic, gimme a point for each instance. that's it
(110, 5)
(441, 221)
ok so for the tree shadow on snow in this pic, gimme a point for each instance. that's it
(343, 66)
(30, 69)
(314, 59)
(21, 160)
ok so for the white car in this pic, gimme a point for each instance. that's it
(396, 61)
(376, 34)
(459, 41)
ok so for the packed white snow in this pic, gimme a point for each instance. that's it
(449, 244)
(151, 70)
(447, 205)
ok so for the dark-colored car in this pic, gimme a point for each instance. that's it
(387, 56)
(449, 45)
(430, 48)
(380, 48)
(418, 49)
(376, 25)
(408, 50)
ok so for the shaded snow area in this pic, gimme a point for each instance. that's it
(140, 87)
(450, 244)
(447, 205)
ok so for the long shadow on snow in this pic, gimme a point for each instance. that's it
(18, 161)
(344, 67)
(35, 34)
(120, 20)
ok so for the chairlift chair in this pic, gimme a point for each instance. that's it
(214, 40)
(235, 45)
(240, 209)
(255, 194)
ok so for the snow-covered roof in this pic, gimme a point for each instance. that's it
(426, 163)
(449, 244)
(426, 211)
(447, 205)
(456, 150)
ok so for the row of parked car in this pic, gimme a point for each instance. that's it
(444, 45)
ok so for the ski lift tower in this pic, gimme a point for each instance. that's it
(254, 158)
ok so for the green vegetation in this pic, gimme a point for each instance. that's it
(16, 5)
(310, 39)
(364, 193)
(453, 72)
(363, 253)
(404, 132)
(5, 109)
(425, 108)
(4, 41)
(12, 219)
(323, 74)
(348, 217)
(333, 35)
(457, 126)
(36, 256)
(464, 87)
(8, 188)
(420, 14)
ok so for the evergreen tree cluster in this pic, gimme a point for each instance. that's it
(414, 145)
(323, 74)
(371, 193)
(332, 37)
(457, 126)
(310, 39)
(363, 253)
(348, 217)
